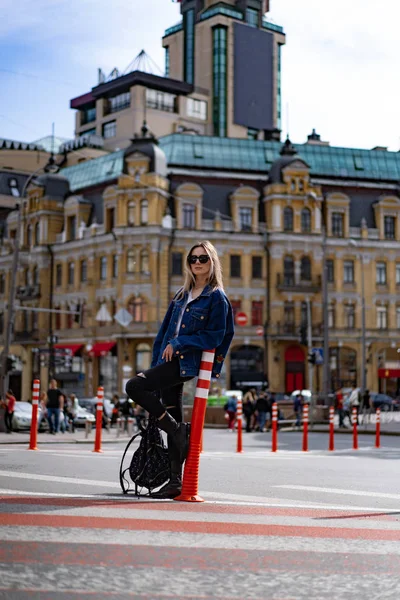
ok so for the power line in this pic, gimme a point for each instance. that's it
(32, 76)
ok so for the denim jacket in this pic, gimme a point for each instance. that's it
(207, 323)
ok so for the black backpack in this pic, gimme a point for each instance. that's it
(149, 467)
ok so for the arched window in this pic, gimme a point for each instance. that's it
(306, 220)
(144, 262)
(130, 261)
(137, 307)
(288, 270)
(144, 212)
(131, 213)
(71, 273)
(288, 219)
(143, 357)
(305, 269)
(37, 234)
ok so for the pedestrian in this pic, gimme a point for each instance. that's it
(249, 406)
(54, 405)
(9, 410)
(354, 399)
(73, 406)
(199, 318)
(339, 405)
(42, 409)
(298, 409)
(366, 406)
(230, 410)
(262, 409)
(116, 405)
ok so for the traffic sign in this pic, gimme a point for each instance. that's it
(319, 355)
(260, 330)
(241, 319)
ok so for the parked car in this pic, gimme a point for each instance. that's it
(22, 417)
(305, 393)
(90, 405)
(82, 416)
(384, 402)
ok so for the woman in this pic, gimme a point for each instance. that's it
(249, 407)
(9, 413)
(198, 318)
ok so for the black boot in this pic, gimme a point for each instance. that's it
(173, 488)
(179, 435)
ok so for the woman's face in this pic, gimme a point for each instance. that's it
(199, 268)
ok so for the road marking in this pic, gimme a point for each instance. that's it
(34, 477)
(307, 488)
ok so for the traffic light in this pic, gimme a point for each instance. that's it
(311, 358)
(11, 364)
(303, 334)
(78, 318)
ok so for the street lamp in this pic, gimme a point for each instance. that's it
(51, 167)
(363, 353)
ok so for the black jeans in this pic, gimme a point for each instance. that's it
(8, 420)
(160, 389)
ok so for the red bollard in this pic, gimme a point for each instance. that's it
(190, 484)
(305, 428)
(239, 413)
(355, 430)
(274, 427)
(35, 408)
(99, 419)
(378, 428)
(331, 429)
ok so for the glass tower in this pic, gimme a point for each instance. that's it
(220, 80)
(188, 66)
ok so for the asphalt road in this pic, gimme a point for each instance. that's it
(284, 526)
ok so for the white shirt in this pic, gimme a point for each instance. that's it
(178, 325)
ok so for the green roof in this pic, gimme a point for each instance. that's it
(95, 171)
(257, 156)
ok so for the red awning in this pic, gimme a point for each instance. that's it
(102, 348)
(389, 373)
(73, 347)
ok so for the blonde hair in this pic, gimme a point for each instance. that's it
(215, 274)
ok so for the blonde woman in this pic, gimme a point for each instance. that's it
(198, 318)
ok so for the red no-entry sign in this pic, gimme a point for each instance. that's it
(260, 330)
(241, 319)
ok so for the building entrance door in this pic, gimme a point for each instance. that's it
(294, 361)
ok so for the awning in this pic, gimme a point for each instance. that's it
(389, 373)
(101, 348)
(73, 347)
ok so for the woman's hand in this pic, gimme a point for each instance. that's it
(168, 353)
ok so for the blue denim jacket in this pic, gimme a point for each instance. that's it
(207, 323)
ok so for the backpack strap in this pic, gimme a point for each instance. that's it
(121, 472)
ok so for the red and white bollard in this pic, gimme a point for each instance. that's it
(239, 413)
(378, 428)
(355, 428)
(35, 409)
(331, 429)
(274, 427)
(99, 419)
(305, 428)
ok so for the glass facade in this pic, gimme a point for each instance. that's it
(188, 66)
(220, 35)
(167, 61)
(279, 85)
(252, 17)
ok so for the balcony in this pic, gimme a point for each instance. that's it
(291, 331)
(28, 292)
(26, 336)
(285, 283)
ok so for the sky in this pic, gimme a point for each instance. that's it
(339, 65)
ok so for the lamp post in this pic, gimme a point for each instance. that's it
(50, 167)
(363, 327)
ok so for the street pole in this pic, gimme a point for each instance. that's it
(310, 365)
(363, 356)
(325, 315)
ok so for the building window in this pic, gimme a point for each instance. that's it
(245, 218)
(288, 219)
(103, 268)
(131, 214)
(144, 212)
(305, 269)
(29, 236)
(381, 315)
(288, 271)
(13, 185)
(59, 275)
(167, 61)
(138, 309)
(257, 312)
(35, 276)
(288, 317)
(71, 273)
(252, 17)
(348, 271)
(2, 284)
(83, 270)
(188, 24)
(189, 216)
(330, 270)
(219, 80)
(390, 228)
(144, 262)
(197, 109)
(397, 273)
(88, 115)
(131, 261)
(331, 316)
(176, 263)
(398, 317)
(252, 134)
(306, 220)
(256, 267)
(109, 129)
(236, 307)
(350, 317)
(304, 313)
(119, 102)
(337, 224)
(381, 273)
(161, 100)
(27, 277)
(115, 266)
(71, 228)
(110, 219)
(37, 234)
(235, 265)
(143, 357)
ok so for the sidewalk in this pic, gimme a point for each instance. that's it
(79, 437)
(390, 425)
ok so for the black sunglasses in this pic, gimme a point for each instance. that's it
(203, 259)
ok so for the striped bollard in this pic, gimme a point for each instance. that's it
(378, 428)
(190, 484)
(99, 419)
(331, 429)
(239, 413)
(35, 409)
(305, 428)
(274, 427)
(355, 430)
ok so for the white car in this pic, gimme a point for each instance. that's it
(305, 393)
(22, 417)
(82, 416)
